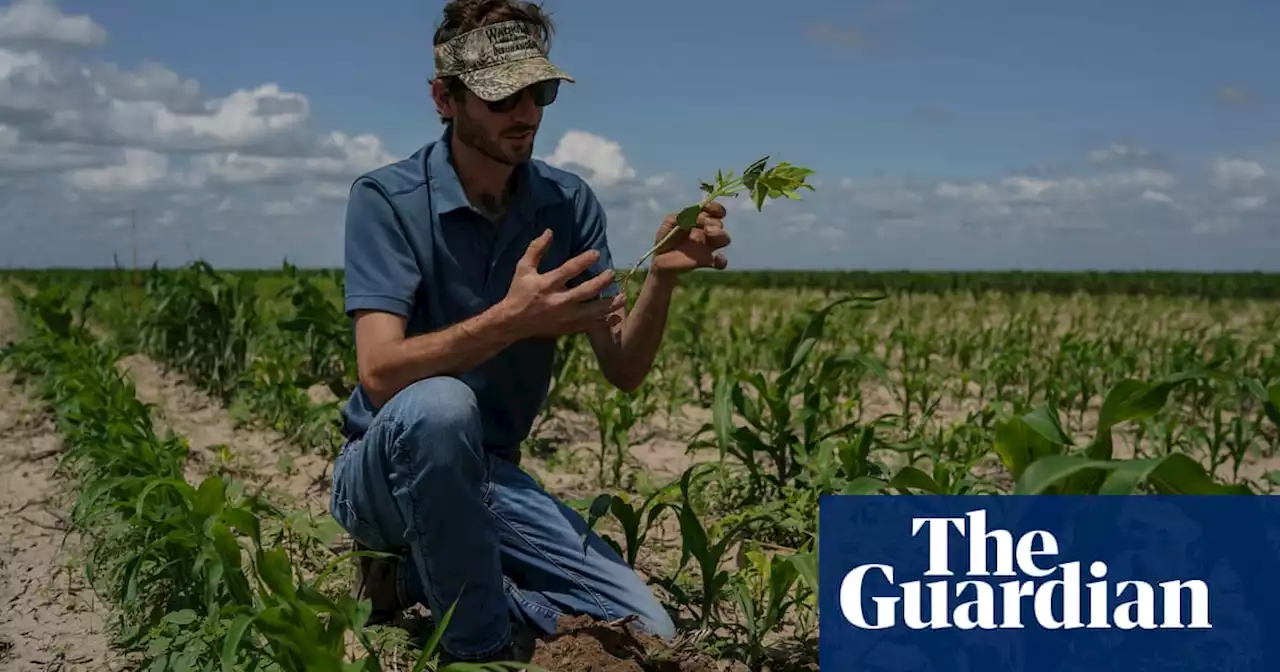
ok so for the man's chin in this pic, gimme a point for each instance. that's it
(522, 146)
(519, 153)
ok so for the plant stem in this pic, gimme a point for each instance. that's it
(626, 280)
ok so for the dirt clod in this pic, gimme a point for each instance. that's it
(586, 645)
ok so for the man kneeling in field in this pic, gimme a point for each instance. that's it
(464, 263)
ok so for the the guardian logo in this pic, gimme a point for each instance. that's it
(991, 605)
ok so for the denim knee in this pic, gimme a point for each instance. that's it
(433, 448)
(438, 422)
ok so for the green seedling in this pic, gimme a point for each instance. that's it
(636, 522)
(707, 551)
(783, 180)
(1042, 383)
(1043, 459)
(766, 589)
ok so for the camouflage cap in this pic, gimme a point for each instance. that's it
(497, 60)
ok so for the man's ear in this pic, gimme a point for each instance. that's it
(440, 94)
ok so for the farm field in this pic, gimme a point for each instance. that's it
(180, 424)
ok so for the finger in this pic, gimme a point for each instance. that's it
(707, 221)
(593, 311)
(714, 209)
(603, 306)
(591, 288)
(610, 315)
(716, 237)
(678, 238)
(603, 309)
(617, 305)
(574, 267)
(719, 261)
(533, 256)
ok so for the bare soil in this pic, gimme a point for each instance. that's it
(49, 618)
(219, 445)
(584, 645)
(256, 457)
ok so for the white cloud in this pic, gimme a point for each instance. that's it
(51, 95)
(142, 169)
(264, 118)
(84, 144)
(339, 157)
(40, 21)
(1247, 191)
(1116, 152)
(13, 63)
(1109, 197)
(1024, 189)
(801, 222)
(151, 82)
(1248, 203)
(241, 177)
(1236, 173)
(600, 159)
(830, 233)
(18, 156)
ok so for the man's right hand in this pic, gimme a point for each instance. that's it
(540, 304)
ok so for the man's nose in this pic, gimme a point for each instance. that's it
(525, 110)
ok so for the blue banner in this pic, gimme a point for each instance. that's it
(1049, 583)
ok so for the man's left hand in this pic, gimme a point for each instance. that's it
(696, 248)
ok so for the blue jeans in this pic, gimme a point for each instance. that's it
(477, 529)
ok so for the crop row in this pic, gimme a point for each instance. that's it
(199, 576)
(1208, 285)
(793, 395)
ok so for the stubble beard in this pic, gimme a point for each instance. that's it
(491, 148)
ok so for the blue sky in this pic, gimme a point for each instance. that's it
(945, 134)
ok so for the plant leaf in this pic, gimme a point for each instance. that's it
(688, 218)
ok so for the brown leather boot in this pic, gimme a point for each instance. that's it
(377, 580)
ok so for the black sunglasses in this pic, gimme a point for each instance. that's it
(544, 93)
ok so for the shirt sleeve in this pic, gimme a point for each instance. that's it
(381, 271)
(592, 235)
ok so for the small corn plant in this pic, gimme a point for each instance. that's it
(783, 180)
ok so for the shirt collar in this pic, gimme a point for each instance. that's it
(532, 190)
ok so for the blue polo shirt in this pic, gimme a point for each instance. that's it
(416, 247)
